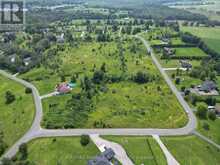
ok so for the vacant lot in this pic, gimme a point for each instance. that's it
(122, 104)
(141, 150)
(47, 151)
(211, 36)
(192, 150)
(16, 117)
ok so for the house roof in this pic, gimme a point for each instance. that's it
(104, 158)
(208, 86)
(99, 160)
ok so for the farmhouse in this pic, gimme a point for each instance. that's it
(185, 64)
(63, 88)
(104, 158)
(168, 52)
(208, 86)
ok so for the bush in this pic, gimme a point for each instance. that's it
(9, 97)
(142, 78)
(202, 111)
(177, 81)
(205, 126)
(85, 139)
(212, 115)
(28, 90)
(23, 151)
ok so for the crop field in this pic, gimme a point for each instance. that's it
(123, 104)
(211, 36)
(62, 150)
(192, 150)
(189, 52)
(210, 10)
(141, 150)
(16, 117)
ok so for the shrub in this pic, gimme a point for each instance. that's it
(212, 115)
(9, 97)
(177, 81)
(28, 90)
(202, 111)
(84, 140)
(205, 126)
(142, 78)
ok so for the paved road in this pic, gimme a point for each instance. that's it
(170, 159)
(36, 131)
(173, 69)
(49, 95)
(192, 124)
(120, 153)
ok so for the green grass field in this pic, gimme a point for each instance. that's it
(63, 150)
(191, 150)
(131, 105)
(16, 118)
(173, 63)
(141, 150)
(214, 129)
(190, 52)
(186, 80)
(211, 36)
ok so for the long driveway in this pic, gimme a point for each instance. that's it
(36, 130)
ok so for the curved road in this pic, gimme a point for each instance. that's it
(36, 131)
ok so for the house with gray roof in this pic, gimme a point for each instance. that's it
(208, 86)
(104, 158)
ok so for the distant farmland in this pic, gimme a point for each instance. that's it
(211, 36)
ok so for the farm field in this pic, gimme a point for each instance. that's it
(141, 150)
(189, 52)
(192, 150)
(121, 104)
(211, 36)
(210, 10)
(60, 150)
(16, 117)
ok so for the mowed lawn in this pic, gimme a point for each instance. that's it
(185, 80)
(190, 52)
(16, 118)
(191, 150)
(60, 150)
(211, 36)
(141, 150)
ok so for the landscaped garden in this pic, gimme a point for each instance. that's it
(141, 150)
(192, 150)
(17, 111)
